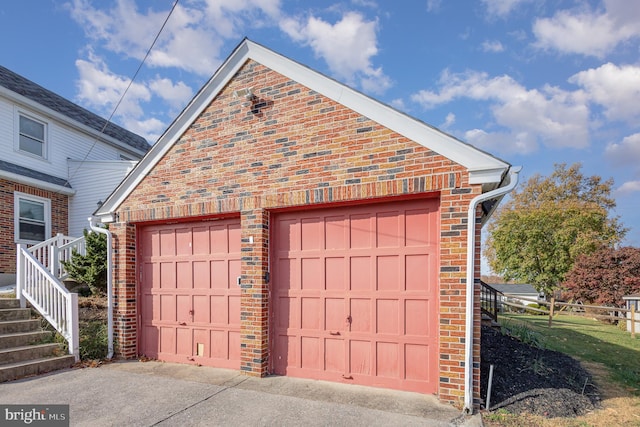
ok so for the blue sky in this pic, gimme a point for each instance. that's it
(534, 82)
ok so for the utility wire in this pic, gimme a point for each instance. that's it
(106, 123)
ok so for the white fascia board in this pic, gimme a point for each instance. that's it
(488, 175)
(46, 111)
(37, 183)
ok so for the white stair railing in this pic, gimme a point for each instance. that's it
(37, 285)
(60, 248)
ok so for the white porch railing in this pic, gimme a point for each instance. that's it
(37, 283)
(52, 252)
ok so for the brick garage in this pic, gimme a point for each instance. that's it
(248, 229)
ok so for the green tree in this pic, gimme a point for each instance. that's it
(537, 235)
(90, 269)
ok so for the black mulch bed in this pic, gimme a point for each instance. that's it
(530, 380)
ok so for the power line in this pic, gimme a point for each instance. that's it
(106, 123)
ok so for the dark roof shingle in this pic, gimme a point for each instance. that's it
(18, 84)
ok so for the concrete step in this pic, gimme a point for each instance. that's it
(28, 352)
(12, 371)
(15, 314)
(9, 303)
(14, 326)
(21, 339)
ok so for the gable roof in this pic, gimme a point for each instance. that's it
(33, 92)
(483, 168)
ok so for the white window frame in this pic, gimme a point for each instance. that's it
(17, 197)
(45, 143)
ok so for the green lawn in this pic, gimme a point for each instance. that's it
(589, 340)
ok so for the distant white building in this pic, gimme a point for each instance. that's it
(633, 301)
(517, 293)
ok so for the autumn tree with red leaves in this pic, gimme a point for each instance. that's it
(605, 276)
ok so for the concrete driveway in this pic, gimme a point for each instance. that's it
(167, 394)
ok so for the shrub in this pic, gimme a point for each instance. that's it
(90, 269)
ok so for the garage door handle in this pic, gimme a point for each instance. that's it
(334, 333)
(347, 377)
(182, 323)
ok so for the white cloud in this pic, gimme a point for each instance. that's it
(589, 32)
(448, 121)
(151, 128)
(347, 47)
(177, 95)
(616, 88)
(629, 187)
(192, 39)
(101, 89)
(492, 46)
(626, 152)
(502, 8)
(551, 116)
(433, 5)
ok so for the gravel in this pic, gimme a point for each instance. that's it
(528, 379)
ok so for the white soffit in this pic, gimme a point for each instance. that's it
(483, 168)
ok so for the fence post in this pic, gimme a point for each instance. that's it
(633, 319)
(73, 326)
(551, 309)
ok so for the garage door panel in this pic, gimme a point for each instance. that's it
(184, 275)
(311, 230)
(360, 274)
(360, 357)
(387, 270)
(387, 359)
(167, 275)
(334, 270)
(388, 232)
(416, 318)
(360, 312)
(334, 355)
(387, 316)
(355, 294)
(168, 308)
(312, 273)
(335, 233)
(417, 272)
(310, 353)
(417, 362)
(421, 228)
(200, 276)
(311, 311)
(190, 307)
(234, 311)
(335, 314)
(201, 309)
(219, 274)
(361, 227)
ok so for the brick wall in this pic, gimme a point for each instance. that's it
(293, 147)
(59, 219)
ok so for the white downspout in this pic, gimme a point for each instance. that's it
(102, 230)
(470, 281)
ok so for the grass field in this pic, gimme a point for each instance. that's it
(590, 341)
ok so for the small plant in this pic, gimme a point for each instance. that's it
(522, 332)
(93, 341)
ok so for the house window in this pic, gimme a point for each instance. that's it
(32, 136)
(32, 218)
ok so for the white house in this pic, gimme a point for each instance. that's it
(57, 161)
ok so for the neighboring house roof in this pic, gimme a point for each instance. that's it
(36, 93)
(632, 296)
(520, 289)
(483, 168)
(21, 173)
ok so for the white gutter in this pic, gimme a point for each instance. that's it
(97, 229)
(470, 281)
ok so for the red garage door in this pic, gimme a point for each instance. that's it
(189, 299)
(355, 295)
